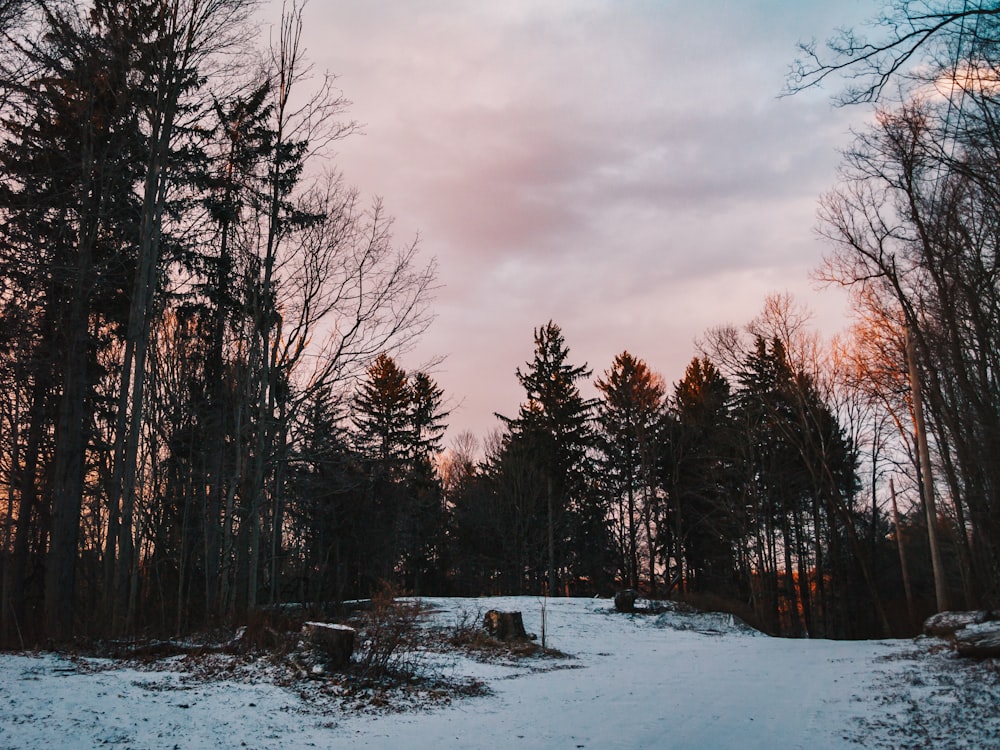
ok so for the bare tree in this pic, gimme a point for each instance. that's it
(913, 236)
(908, 35)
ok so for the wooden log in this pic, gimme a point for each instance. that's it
(505, 626)
(946, 624)
(979, 640)
(335, 642)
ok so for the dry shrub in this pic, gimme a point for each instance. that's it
(390, 635)
(468, 634)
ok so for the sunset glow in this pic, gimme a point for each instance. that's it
(626, 170)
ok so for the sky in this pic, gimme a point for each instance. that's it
(624, 168)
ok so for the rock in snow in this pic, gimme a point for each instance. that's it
(974, 634)
(625, 600)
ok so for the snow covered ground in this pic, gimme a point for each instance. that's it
(630, 681)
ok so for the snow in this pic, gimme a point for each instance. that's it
(329, 626)
(671, 680)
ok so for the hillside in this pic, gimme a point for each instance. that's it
(671, 680)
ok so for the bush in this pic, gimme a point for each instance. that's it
(390, 635)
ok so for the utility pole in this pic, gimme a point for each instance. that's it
(940, 592)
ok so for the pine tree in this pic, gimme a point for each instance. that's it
(631, 417)
(422, 524)
(706, 520)
(382, 417)
(427, 414)
(557, 422)
(69, 160)
(325, 507)
(399, 421)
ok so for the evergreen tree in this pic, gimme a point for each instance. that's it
(630, 416)
(706, 520)
(383, 437)
(326, 507)
(382, 417)
(508, 516)
(427, 414)
(774, 478)
(421, 525)
(557, 422)
(798, 475)
(399, 421)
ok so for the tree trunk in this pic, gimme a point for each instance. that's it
(651, 546)
(67, 495)
(552, 538)
(27, 499)
(633, 535)
(14, 439)
(927, 481)
(902, 556)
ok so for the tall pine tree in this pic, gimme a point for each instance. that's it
(399, 421)
(557, 422)
(630, 415)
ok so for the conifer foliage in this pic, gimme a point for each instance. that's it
(181, 314)
(398, 423)
(631, 419)
(555, 426)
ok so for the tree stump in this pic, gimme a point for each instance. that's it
(978, 641)
(625, 600)
(334, 642)
(504, 626)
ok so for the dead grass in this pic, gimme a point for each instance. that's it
(388, 672)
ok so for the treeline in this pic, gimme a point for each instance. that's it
(202, 413)
(738, 489)
(755, 484)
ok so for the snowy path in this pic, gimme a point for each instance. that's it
(636, 685)
(634, 682)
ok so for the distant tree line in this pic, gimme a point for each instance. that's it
(736, 490)
(202, 411)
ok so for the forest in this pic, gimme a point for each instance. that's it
(202, 410)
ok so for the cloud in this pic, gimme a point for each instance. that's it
(623, 168)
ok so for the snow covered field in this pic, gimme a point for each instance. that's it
(631, 681)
